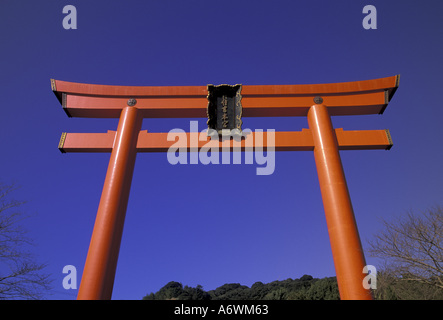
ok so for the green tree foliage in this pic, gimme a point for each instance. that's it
(324, 289)
(305, 288)
(175, 291)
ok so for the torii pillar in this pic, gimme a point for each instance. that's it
(343, 233)
(101, 262)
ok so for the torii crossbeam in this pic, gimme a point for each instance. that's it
(133, 103)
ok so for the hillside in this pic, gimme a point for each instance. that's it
(305, 288)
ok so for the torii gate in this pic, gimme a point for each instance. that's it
(133, 103)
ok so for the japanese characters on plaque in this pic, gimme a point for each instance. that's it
(224, 108)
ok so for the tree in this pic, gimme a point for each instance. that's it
(230, 291)
(277, 294)
(170, 291)
(196, 293)
(175, 291)
(323, 289)
(20, 275)
(412, 250)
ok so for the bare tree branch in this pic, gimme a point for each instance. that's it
(411, 248)
(20, 276)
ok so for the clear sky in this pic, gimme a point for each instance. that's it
(181, 224)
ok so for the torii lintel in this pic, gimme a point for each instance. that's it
(106, 101)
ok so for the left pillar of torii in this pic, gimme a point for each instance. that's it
(101, 262)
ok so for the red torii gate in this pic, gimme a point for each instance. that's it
(133, 103)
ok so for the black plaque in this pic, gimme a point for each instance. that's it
(224, 108)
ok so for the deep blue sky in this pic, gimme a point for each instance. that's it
(177, 225)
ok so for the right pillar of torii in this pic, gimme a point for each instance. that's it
(345, 242)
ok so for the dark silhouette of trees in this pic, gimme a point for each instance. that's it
(305, 288)
(175, 291)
